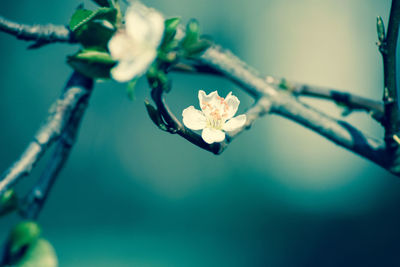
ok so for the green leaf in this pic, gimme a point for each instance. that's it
(380, 27)
(192, 33)
(171, 24)
(92, 63)
(78, 18)
(8, 202)
(130, 89)
(155, 115)
(94, 28)
(198, 47)
(23, 234)
(95, 56)
(40, 253)
(169, 33)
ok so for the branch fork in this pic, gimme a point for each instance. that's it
(268, 93)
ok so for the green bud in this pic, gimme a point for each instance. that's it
(167, 57)
(92, 63)
(8, 202)
(380, 27)
(170, 31)
(155, 116)
(198, 47)
(23, 234)
(130, 89)
(192, 33)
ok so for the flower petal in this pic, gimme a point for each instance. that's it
(120, 46)
(144, 24)
(210, 102)
(211, 135)
(232, 105)
(235, 123)
(126, 70)
(193, 118)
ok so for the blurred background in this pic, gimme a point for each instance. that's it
(280, 195)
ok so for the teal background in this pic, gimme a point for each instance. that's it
(280, 195)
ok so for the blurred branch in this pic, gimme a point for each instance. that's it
(35, 200)
(285, 104)
(217, 60)
(76, 90)
(387, 46)
(40, 34)
(351, 101)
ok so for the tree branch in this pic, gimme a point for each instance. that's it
(35, 200)
(284, 104)
(76, 90)
(174, 126)
(390, 98)
(351, 101)
(40, 34)
(223, 62)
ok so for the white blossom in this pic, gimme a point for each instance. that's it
(215, 117)
(135, 46)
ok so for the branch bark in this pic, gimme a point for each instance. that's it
(40, 34)
(223, 62)
(77, 89)
(35, 200)
(390, 98)
(286, 105)
(351, 101)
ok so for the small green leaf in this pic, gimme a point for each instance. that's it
(23, 234)
(192, 33)
(198, 47)
(95, 56)
(155, 115)
(40, 253)
(380, 27)
(83, 16)
(169, 33)
(94, 28)
(78, 18)
(130, 89)
(286, 85)
(171, 24)
(92, 63)
(8, 202)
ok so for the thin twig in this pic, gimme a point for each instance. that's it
(390, 98)
(35, 200)
(351, 101)
(77, 88)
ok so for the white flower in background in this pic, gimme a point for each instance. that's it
(215, 116)
(135, 46)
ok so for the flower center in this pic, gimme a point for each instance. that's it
(216, 114)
